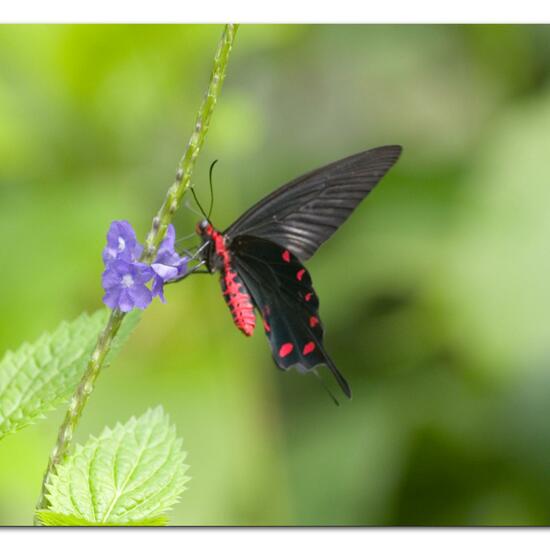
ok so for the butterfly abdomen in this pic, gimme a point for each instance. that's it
(238, 300)
(234, 291)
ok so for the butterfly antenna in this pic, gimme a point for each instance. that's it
(211, 189)
(198, 203)
(325, 387)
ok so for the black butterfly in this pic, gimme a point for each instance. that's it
(260, 256)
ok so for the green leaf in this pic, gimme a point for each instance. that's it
(133, 473)
(53, 519)
(37, 377)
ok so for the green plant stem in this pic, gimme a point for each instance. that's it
(80, 398)
(185, 167)
(155, 236)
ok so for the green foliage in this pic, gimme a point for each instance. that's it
(432, 294)
(54, 519)
(39, 376)
(131, 474)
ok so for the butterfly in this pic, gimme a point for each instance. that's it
(260, 256)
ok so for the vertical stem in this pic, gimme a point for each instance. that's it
(80, 398)
(154, 238)
(187, 163)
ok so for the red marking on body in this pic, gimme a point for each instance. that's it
(239, 302)
(286, 256)
(285, 349)
(307, 297)
(237, 297)
(309, 347)
(313, 321)
(266, 326)
(300, 274)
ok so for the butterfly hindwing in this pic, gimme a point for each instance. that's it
(282, 291)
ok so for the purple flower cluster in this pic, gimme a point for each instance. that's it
(125, 278)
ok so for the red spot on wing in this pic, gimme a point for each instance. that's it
(300, 274)
(313, 321)
(309, 347)
(307, 297)
(266, 326)
(285, 349)
(286, 256)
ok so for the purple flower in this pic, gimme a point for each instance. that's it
(124, 285)
(121, 243)
(168, 264)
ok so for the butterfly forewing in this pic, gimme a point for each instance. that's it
(283, 293)
(304, 213)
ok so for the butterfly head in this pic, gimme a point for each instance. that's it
(213, 248)
(204, 229)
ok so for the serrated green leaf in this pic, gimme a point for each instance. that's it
(37, 377)
(53, 519)
(131, 473)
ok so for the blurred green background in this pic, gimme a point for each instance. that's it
(434, 295)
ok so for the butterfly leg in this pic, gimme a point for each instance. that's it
(194, 270)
